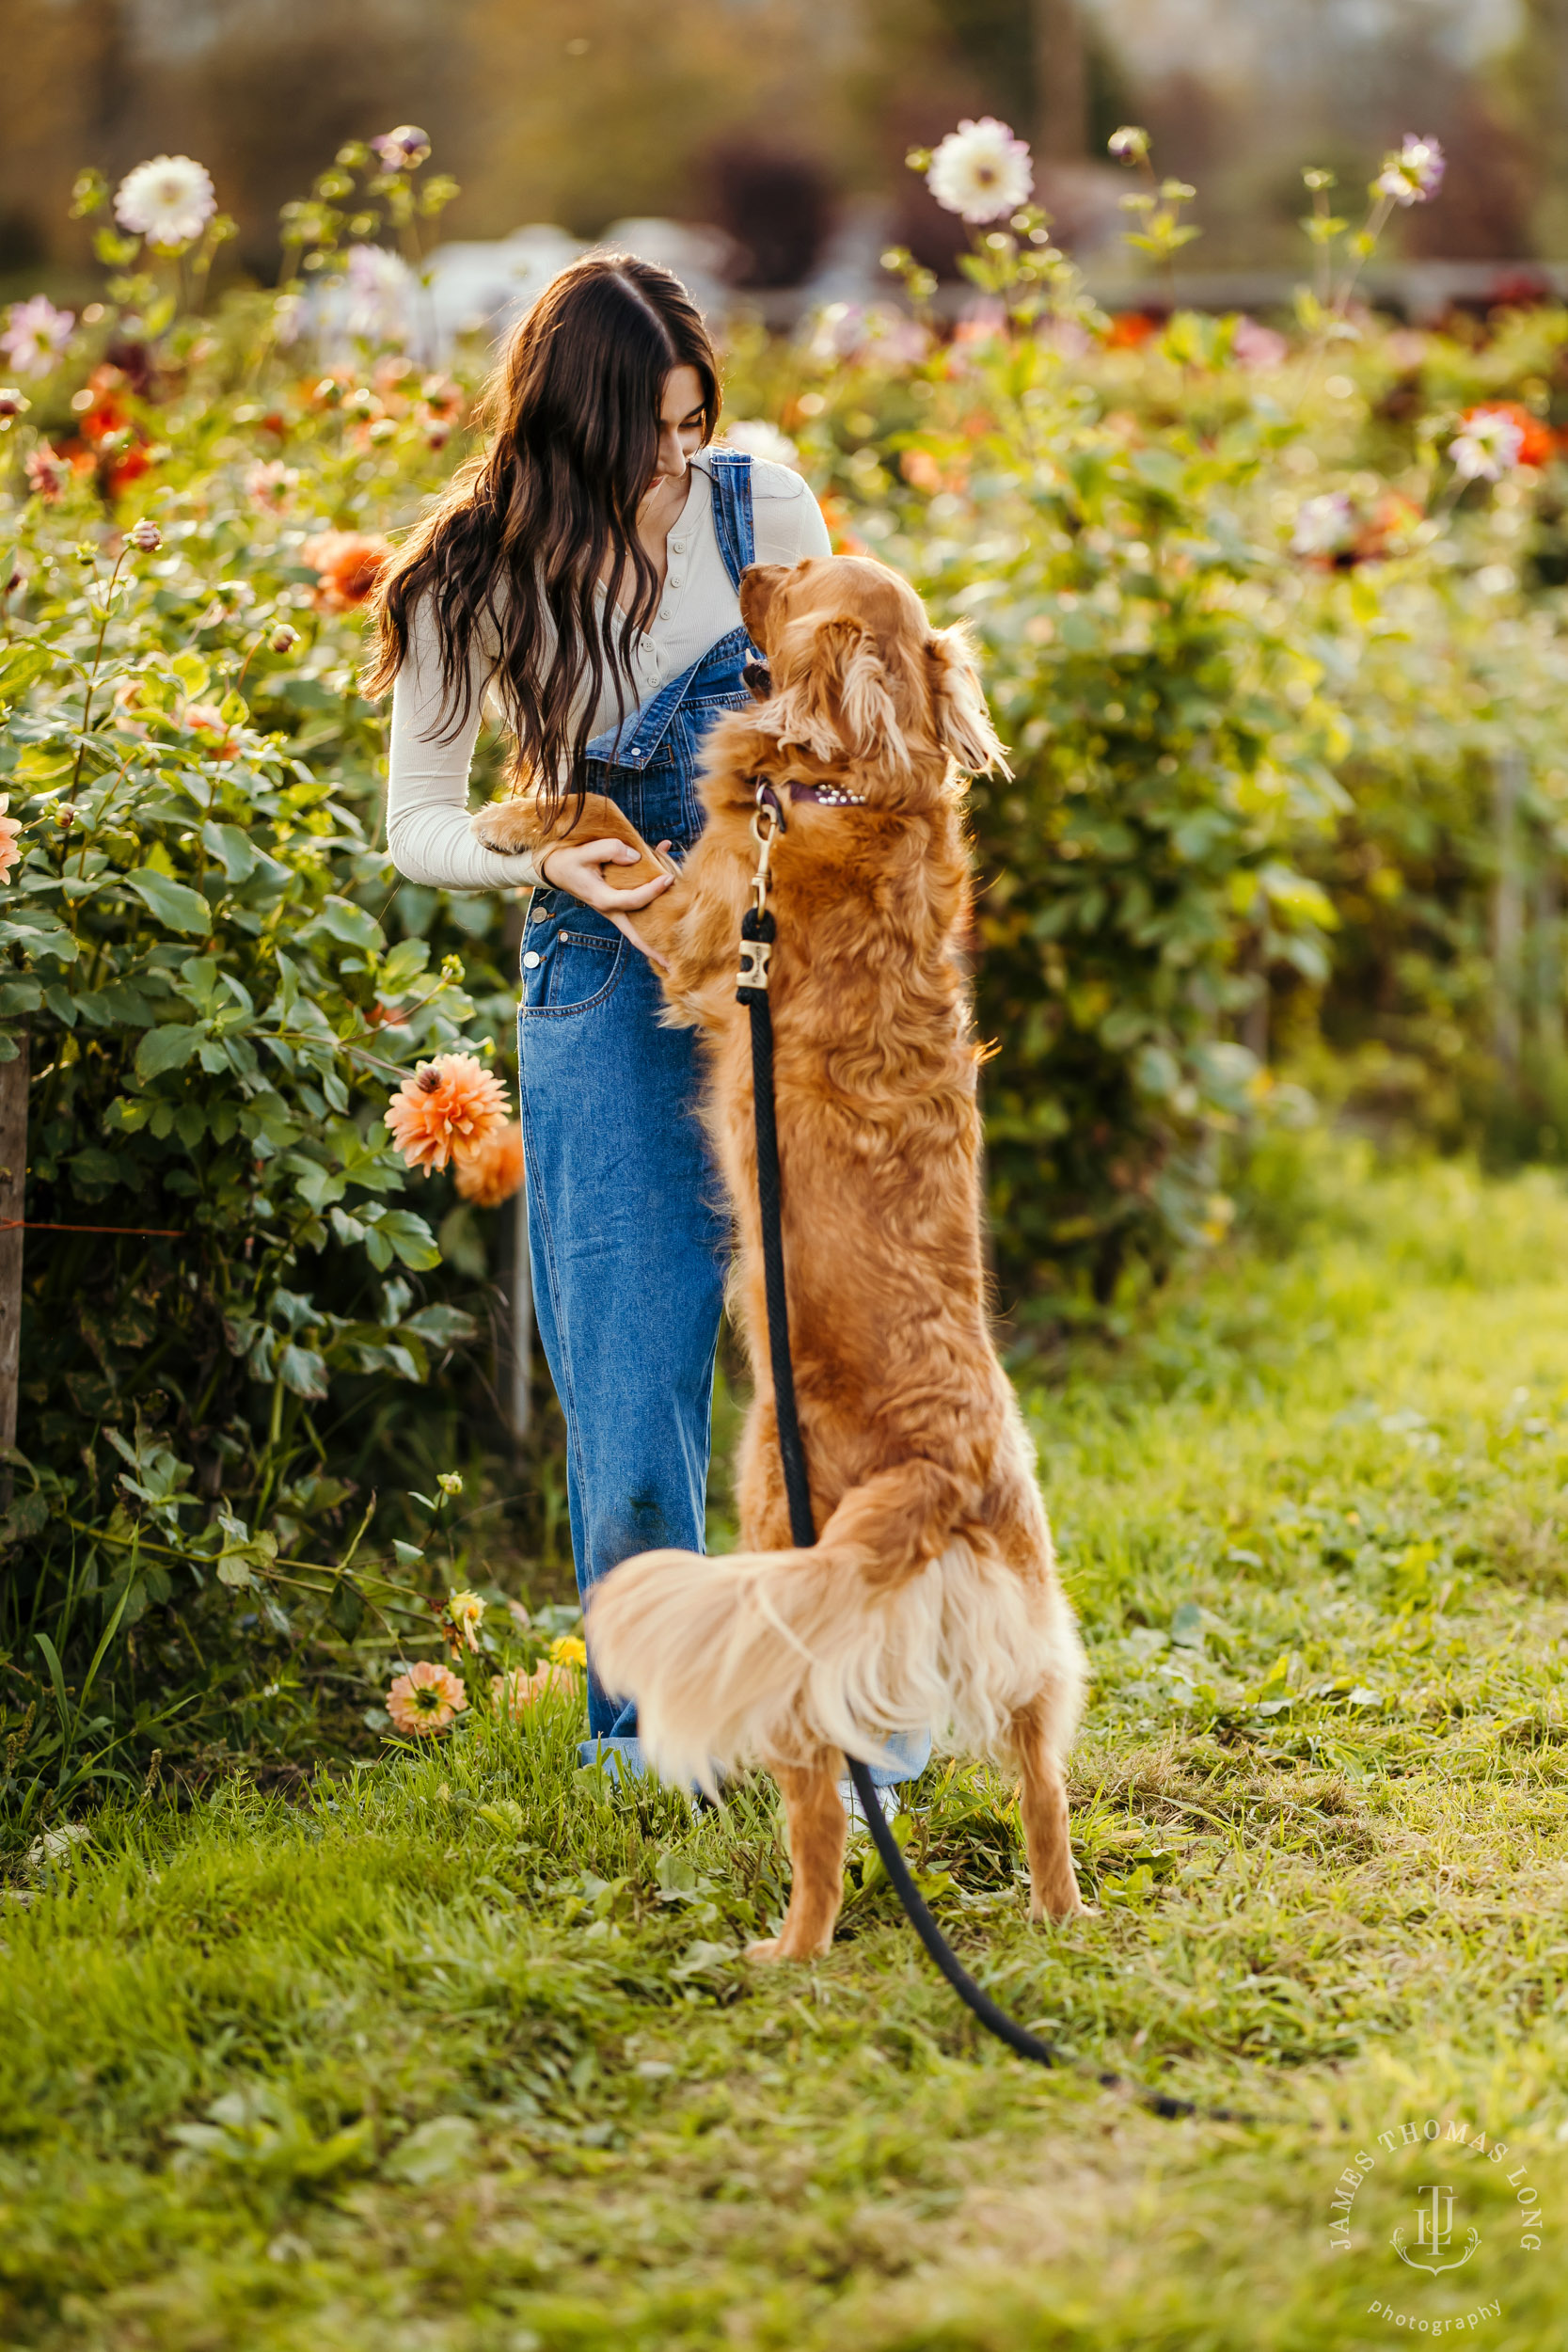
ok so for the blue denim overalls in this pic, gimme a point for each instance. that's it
(628, 1235)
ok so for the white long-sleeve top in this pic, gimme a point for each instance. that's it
(427, 795)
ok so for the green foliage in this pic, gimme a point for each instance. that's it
(221, 980)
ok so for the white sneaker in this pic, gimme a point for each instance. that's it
(850, 1798)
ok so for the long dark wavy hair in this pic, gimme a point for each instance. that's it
(513, 552)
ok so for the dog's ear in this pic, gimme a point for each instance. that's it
(839, 699)
(759, 585)
(960, 720)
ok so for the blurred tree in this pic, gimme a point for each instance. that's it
(586, 110)
(1061, 81)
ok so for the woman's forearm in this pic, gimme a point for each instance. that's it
(427, 783)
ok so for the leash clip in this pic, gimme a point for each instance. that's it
(768, 821)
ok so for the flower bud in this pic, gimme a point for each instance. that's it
(146, 536)
(284, 638)
(449, 1482)
(13, 403)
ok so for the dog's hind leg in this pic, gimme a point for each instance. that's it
(1052, 1881)
(817, 1831)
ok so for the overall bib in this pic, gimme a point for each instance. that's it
(629, 1234)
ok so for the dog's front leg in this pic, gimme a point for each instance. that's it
(817, 1832)
(522, 823)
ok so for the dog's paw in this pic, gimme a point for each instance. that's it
(504, 825)
(774, 1948)
(1042, 1917)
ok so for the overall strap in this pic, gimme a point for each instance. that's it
(638, 740)
(729, 470)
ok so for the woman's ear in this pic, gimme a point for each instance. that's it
(759, 585)
(960, 720)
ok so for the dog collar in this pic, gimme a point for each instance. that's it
(814, 795)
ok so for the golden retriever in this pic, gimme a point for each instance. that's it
(931, 1597)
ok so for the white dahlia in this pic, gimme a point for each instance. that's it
(758, 438)
(981, 170)
(168, 202)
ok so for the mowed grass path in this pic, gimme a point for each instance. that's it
(461, 2053)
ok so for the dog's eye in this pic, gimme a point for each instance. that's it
(759, 680)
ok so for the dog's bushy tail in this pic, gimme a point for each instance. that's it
(766, 1656)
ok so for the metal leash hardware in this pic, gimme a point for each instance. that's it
(757, 929)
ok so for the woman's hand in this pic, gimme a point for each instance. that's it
(583, 871)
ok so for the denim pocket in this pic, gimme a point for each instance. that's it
(576, 962)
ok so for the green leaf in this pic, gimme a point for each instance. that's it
(342, 920)
(347, 1606)
(173, 903)
(410, 1237)
(302, 1370)
(21, 665)
(165, 1048)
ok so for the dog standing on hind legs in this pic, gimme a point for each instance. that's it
(931, 1597)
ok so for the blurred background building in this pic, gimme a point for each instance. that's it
(784, 123)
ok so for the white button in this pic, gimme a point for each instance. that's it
(530, 961)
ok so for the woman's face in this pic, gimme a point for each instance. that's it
(680, 424)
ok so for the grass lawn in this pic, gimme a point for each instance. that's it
(460, 2051)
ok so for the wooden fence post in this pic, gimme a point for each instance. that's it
(1548, 959)
(1507, 910)
(13, 1187)
(519, 1370)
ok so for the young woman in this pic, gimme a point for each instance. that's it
(583, 572)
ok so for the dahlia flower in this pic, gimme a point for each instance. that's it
(35, 334)
(514, 1694)
(269, 483)
(425, 1699)
(47, 473)
(756, 437)
(494, 1172)
(1487, 445)
(403, 149)
(1259, 349)
(378, 282)
(1413, 174)
(981, 171)
(446, 1111)
(467, 1611)
(168, 202)
(11, 845)
(348, 564)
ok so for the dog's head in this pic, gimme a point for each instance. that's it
(859, 674)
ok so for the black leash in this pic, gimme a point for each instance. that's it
(758, 932)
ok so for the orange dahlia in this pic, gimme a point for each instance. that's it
(347, 565)
(426, 1698)
(448, 1111)
(494, 1172)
